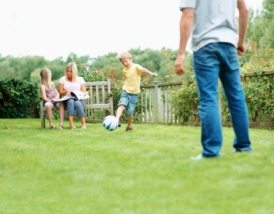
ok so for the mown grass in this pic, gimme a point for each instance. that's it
(146, 171)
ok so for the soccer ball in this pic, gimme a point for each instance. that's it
(110, 122)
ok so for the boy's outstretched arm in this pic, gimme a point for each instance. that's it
(146, 71)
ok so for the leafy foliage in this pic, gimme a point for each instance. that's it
(92, 69)
(185, 102)
(260, 96)
(19, 99)
(259, 61)
(104, 67)
(261, 27)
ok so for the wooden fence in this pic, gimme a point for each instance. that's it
(155, 103)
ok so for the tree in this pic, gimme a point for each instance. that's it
(6, 72)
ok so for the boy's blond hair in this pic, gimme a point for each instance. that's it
(124, 55)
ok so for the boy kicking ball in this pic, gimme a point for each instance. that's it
(129, 96)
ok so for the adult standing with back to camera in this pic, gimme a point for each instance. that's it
(215, 42)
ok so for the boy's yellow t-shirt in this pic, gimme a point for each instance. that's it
(132, 78)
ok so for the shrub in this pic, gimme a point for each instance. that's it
(19, 99)
(185, 102)
(260, 97)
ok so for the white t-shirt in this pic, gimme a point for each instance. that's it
(72, 86)
(215, 21)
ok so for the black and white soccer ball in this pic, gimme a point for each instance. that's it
(110, 122)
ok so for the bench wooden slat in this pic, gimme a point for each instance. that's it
(97, 106)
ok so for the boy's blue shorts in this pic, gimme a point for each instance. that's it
(129, 101)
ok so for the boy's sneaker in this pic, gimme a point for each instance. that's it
(129, 129)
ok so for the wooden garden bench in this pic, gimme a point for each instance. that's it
(100, 98)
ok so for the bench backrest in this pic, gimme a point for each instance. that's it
(100, 96)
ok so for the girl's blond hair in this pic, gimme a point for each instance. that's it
(74, 70)
(45, 77)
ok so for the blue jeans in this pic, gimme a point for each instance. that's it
(129, 101)
(75, 105)
(214, 61)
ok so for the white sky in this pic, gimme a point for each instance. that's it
(54, 28)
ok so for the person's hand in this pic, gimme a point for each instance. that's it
(241, 49)
(179, 64)
(154, 74)
(68, 92)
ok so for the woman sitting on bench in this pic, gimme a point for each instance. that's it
(72, 82)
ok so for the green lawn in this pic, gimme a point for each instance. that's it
(149, 170)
